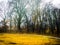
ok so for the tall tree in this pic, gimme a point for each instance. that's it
(18, 6)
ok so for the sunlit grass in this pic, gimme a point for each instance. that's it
(25, 39)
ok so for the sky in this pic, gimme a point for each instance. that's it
(56, 3)
(2, 8)
(3, 0)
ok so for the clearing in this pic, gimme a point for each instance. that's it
(27, 39)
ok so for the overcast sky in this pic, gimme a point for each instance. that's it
(55, 3)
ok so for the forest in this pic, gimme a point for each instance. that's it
(29, 22)
(28, 16)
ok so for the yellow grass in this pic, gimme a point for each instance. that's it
(25, 39)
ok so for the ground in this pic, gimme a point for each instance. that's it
(27, 39)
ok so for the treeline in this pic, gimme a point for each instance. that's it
(28, 17)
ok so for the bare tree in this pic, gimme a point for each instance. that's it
(3, 15)
(18, 6)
